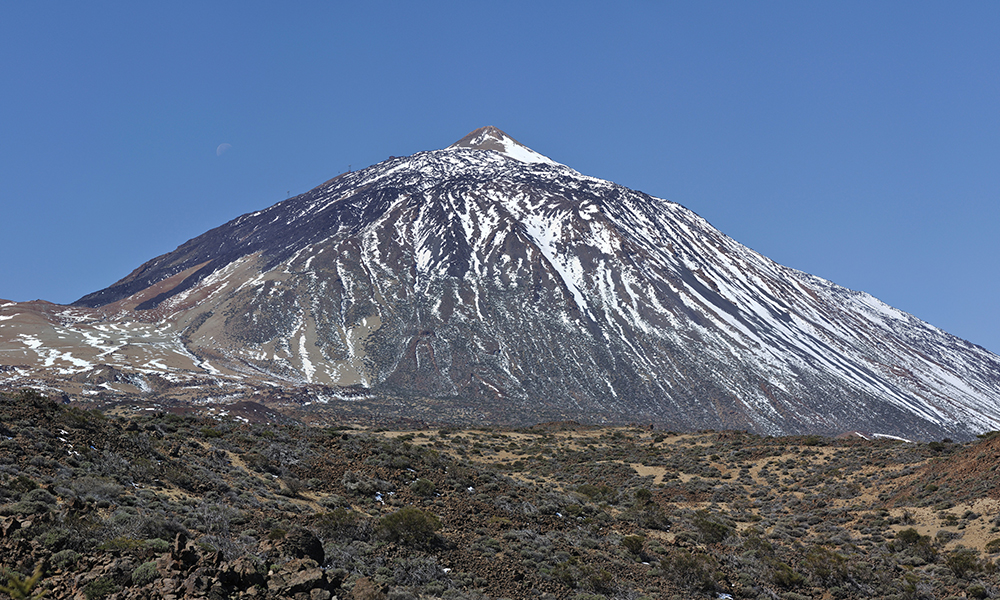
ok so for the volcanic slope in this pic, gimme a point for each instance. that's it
(510, 288)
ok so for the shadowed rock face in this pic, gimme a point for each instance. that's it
(510, 288)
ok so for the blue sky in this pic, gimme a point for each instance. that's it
(858, 141)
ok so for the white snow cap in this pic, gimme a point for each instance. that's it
(491, 138)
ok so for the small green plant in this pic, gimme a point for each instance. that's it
(338, 523)
(410, 526)
(634, 543)
(910, 541)
(65, 559)
(145, 573)
(100, 588)
(785, 576)
(711, 527)
(694, 572)
(20, 588)
(21, 484)
(121, 544)
(422, 487)
(976, 590)
(963, 561)
(826, 567)
(596, 493)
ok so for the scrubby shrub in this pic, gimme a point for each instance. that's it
(363, 485)
(422, 487)
(38, 495)
(711, 528)
(145, 573)
(338, 524)
(825, 567)
(96, 488)
(121, 544)
(976, 590)
(574, 574)
(694, 572)
(963, 561)
(21, 484)
(24, 508)
(100, 588)
(633, 543)
(785, 576)
(993, 546)
(157, 545)
(912, 543)
(64, 559)
(596, 493)
(410, 526)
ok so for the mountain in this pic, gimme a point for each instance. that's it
(487, 283)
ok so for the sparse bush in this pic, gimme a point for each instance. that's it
(825, 567)
(694, 572)
(963, 561)
(634, 544)
(145, 573)
(410, 526)
(64, 559)
(977, 590)
(38, 495)
(596, 493)
(785, 576)
(340, 523)
(100, 588)
(711, 528)
(911, 542)
(993, 546)
(422, 487)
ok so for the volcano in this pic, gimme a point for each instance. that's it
(487, 283)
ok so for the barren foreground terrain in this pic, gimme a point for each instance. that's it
(141, 504)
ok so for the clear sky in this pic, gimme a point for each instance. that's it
(858, 141)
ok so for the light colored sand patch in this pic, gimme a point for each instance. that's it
(976, 533)
(657, 473)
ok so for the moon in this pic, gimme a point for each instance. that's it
(222, 148)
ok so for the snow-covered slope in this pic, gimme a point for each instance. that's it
(505, 285)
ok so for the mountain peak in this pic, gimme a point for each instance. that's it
(492, 138)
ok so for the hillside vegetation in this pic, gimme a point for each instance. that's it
(155, 504)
